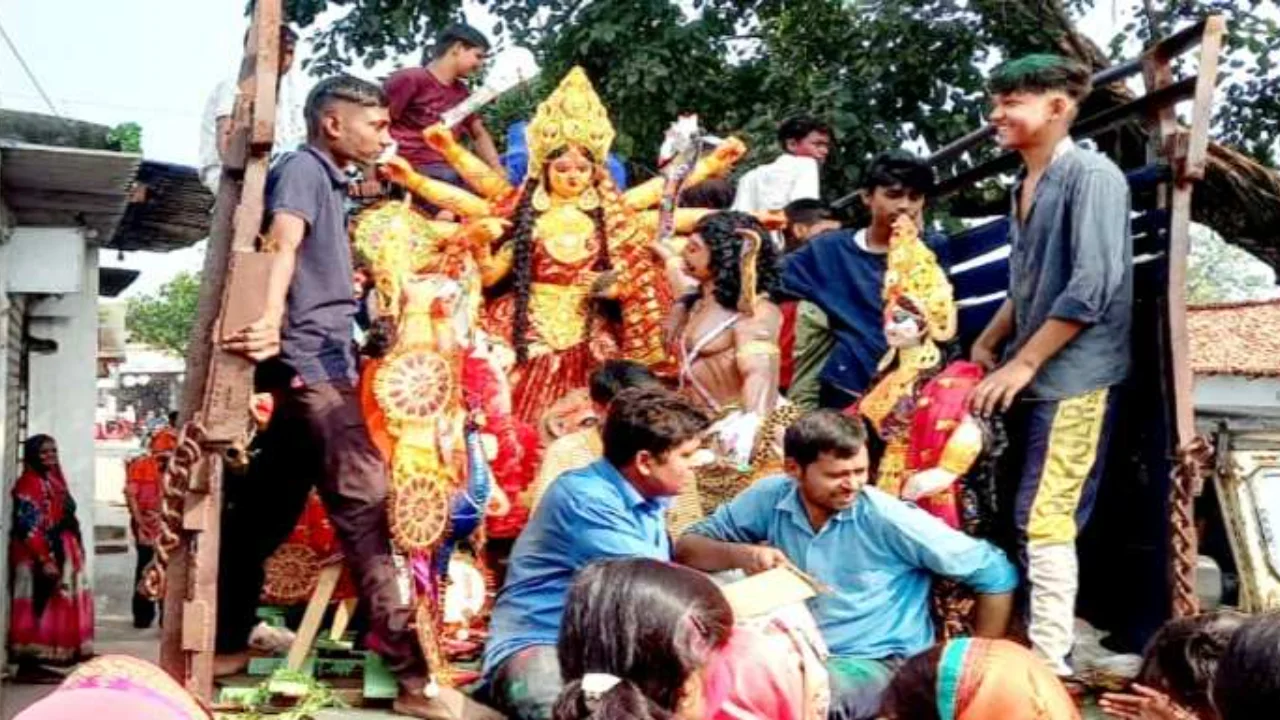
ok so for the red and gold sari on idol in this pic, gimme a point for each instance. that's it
(565, 341)
(51, 617)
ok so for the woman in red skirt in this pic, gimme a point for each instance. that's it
(52, 609)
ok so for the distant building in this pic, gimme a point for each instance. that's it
(1235, 355)
(65, 196)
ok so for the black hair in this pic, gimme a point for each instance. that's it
(807, 211)
(720, 233)
(614, 376)
(652, 419)
(798, 127)
(823, 431)
(913, 692)
(522, 253)
(1247, 683)
(173, 418)
(340, 88)
(649, 623)
(899, 167)
(31, 452)
(459, 33)
(1182, 659)
(1041, 73)
(713, 194)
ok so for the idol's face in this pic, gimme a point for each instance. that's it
(569, 175)
(696, 258)
(903, 328)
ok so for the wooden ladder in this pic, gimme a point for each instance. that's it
(219, 385)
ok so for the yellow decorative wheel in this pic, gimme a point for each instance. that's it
(414, 386)
(419, 512)
(291, 574)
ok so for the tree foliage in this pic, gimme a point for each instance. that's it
(884, 72)
(1219, 272)
(126, 137)
(164, 320)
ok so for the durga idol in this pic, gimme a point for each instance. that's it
(575, 242)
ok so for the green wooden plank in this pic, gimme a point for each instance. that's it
(379, 683)
(263, 667)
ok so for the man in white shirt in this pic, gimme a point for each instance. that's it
(215, 127)
(805, 141)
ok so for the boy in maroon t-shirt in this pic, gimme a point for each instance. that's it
(419, 96)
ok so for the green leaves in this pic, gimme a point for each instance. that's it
(126, 137)
(884, 73)
(164, 320)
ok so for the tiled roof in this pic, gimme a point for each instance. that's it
(1236, 339)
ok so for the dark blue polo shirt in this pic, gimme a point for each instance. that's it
(315, 338)
(846, 281)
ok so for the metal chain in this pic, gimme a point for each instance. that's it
(173, 486)
(1188, 468)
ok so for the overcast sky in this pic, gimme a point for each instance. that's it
(154, 62)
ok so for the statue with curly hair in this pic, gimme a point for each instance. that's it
(727, 335)
(574, 244)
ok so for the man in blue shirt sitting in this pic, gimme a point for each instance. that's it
(877, 553)
(612, 508)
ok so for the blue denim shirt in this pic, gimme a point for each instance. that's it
(587, 514)
(878, 556)
(1073, 260)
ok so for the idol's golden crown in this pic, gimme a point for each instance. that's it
(572, 115)
(913, 272)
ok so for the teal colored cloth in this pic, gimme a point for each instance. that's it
(879, 556)
(858, 686)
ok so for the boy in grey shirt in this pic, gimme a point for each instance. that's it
(1066, 318)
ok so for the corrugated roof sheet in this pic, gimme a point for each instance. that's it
(48, 186)
(170, 209)
(1240, 339)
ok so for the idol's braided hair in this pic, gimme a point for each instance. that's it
(720, 233)
(522, 269)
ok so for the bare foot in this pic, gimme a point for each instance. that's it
(230, 664)
(449, 704)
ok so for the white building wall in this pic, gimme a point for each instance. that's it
(62, 385)
(7, 473)
(1233, 395)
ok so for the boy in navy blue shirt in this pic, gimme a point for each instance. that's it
(842, 272)
(1066, 321)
